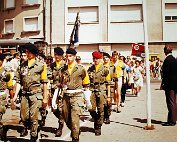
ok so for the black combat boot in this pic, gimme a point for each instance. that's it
(43, 115)
(75, 139)
(3, 133)
(98, 130)
(33, 139)
(24, 132)
(107, 121)
(42, 122)
(59, 130)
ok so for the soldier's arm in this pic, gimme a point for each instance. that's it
(86, 80)
(9, 83)
(17, 84)
(17, 90)
(8, 79)
(44, 81)
(108, 75)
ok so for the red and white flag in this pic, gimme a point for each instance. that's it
(138, 50)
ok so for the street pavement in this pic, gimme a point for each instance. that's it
(127, 126)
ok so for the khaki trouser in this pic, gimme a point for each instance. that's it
(30, 105)
(2, 106)
(72, 109)
(58, 114)
(98, 100)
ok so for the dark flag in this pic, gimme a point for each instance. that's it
(74, 38)
(138, 50)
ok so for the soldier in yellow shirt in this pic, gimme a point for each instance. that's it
(55, 69)
(5, 83)
(31, 75)
(98, 75)
(75, 78)
(110, 87)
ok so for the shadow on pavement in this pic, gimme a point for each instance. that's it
(128, 124)
(48, 140)
(145, 121)
(130, 95)
(14, 139)
(87, 129)
(14, 127)
(48, 129)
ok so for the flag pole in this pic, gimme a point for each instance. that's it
(72, 33)
(148, 92)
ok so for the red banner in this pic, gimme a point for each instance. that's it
(138, 50)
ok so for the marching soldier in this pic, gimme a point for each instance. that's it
(5, 82)
(56, 68)
(97, 73)
(76, 78)
(110, 87)
(31, 74)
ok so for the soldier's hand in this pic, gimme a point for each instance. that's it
(162, 87)
(109, 100)
(12, 105)
(44, 102)
(54, 105)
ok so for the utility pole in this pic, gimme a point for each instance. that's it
(148, 90)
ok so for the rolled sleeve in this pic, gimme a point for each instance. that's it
(86, 79)
(44, 78)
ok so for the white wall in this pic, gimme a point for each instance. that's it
(128, 29)
(170, 31)
(169, 8)
(85, 52)
(123, 49)
(126, 32)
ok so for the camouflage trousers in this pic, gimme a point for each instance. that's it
(30, 105)
(3, 102)
(98, 100)
(58, 114)
(108, 104)
(73, 105)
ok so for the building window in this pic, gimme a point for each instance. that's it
(31, 2)
(88, 14)
(8, 28)
(171, 12)
(31, 24)
(9, 4)
(126, 13)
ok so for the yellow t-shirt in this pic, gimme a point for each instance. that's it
(58, 64)
(86, 79)
(119, 68)
(70, 67)
(97, 67)
(44, 73)
(10, 82)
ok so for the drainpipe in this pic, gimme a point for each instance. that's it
(50, 27)
(44, 20)
(44, 23)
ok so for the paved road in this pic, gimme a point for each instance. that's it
(126, 126)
